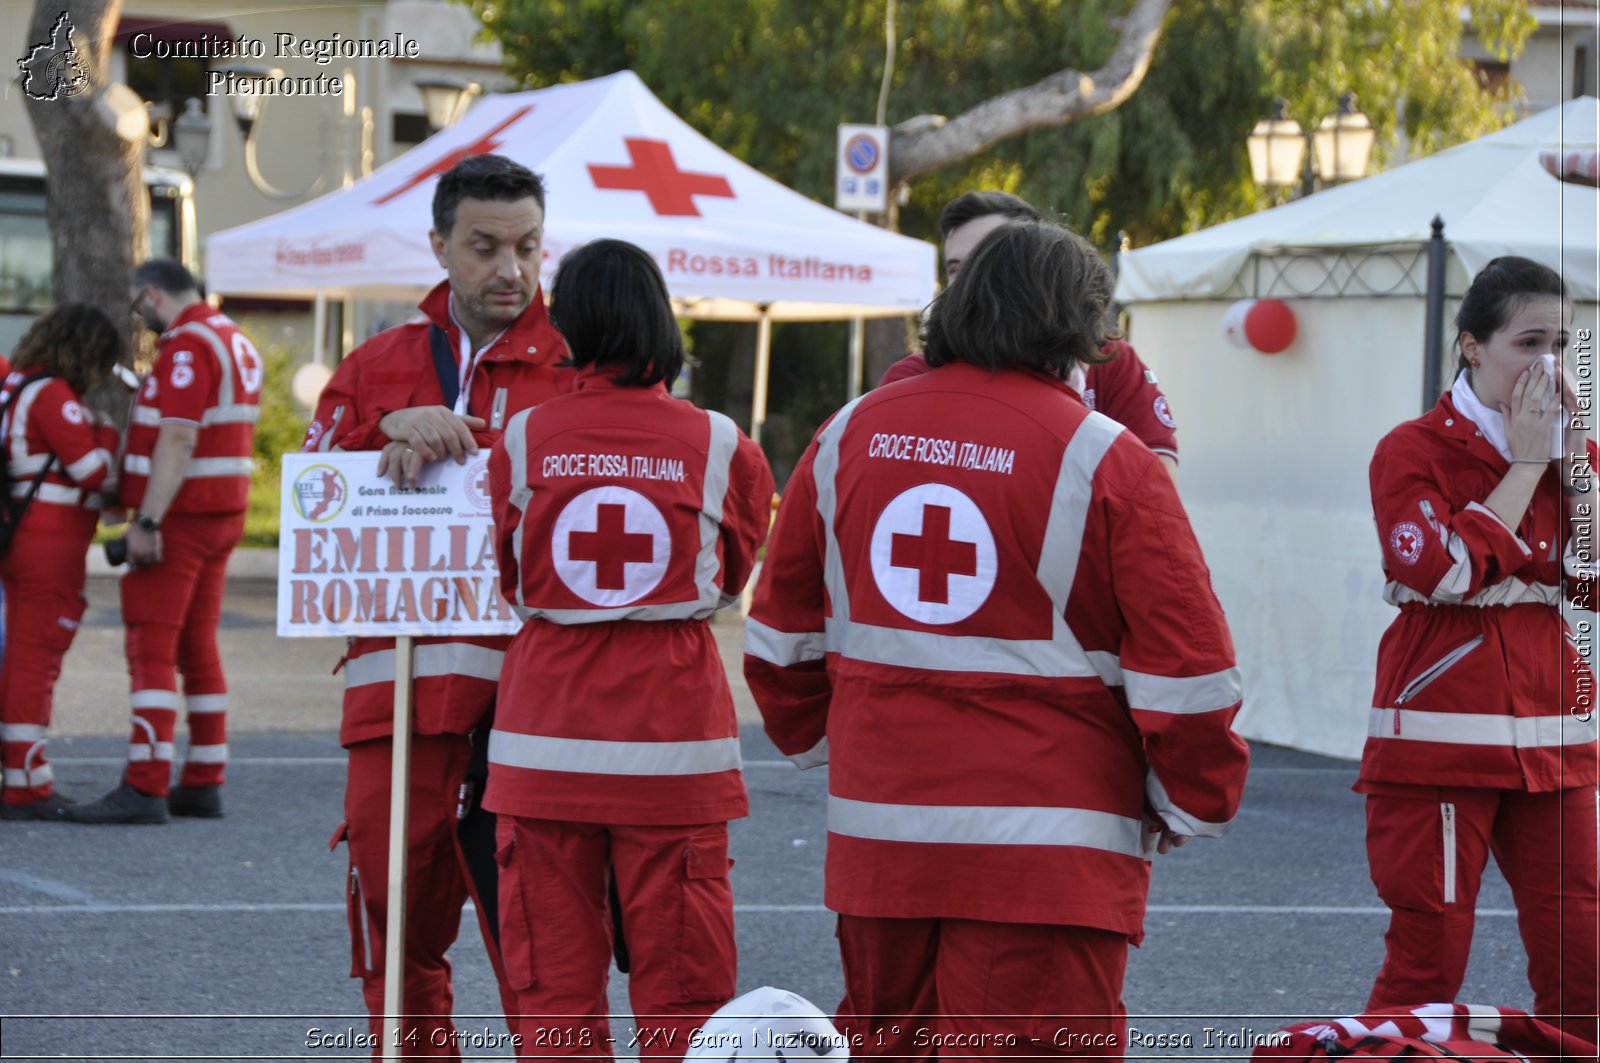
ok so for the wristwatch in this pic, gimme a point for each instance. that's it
(149, 524)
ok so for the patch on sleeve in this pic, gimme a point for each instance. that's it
(1405, 542)
(1163, 411)
(71, 412)
(181, 376)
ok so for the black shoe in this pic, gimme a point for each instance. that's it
(202, 802)
(52, 809)
(122, 805)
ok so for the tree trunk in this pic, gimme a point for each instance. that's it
(92, 139)
(929, 142)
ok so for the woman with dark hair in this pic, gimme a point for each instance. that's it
(625, 518)
(983, 605)
(58, 451)
(1481, 738)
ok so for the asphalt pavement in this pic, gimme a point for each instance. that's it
(226, 939)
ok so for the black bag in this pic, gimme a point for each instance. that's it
(12, 509)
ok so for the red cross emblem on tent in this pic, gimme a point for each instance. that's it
(610, 546)
(654, 172)
(482, 146)
(933, 555)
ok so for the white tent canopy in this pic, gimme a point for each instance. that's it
(1276, 448)
(1493, 194)
(732, 243)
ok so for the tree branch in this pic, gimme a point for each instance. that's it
(924, 143)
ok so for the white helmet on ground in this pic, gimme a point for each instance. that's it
(768, 1023)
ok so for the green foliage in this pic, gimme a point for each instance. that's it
(279, 431)
(769, 79)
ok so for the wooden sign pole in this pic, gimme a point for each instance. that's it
(394, 952)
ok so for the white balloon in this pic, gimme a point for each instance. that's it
(1233, 322)
(308, 382)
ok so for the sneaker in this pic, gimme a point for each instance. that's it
(122, 805)
(52, 809)
(202, 802)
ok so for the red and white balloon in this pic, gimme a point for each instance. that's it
(1267, 325)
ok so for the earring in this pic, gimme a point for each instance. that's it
(1474, 362)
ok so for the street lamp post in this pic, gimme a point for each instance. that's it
(445, 99)
(1283, 154)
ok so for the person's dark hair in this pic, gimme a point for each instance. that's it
(75, 341)
(492, 177)
(168, 274)
(964, 208)
(1500, 289)
(610, 303)
(1034, 294)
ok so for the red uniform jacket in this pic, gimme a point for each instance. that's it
(49, 420)
(208, 374)
(1124, 389)
(983, 603)
(394, 370)
(624, 518)
(1478, 680)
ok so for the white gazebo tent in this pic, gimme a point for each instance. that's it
(1275, 448)
(733, 244)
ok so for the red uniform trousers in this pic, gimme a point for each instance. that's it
(555, 928)
(43, 576)
(170, 612)
(1545, 846)
(970, 989)
(437, 886)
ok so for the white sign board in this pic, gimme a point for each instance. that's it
(862, 179)
(358, 556)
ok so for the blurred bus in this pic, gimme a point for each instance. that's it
(25, 237)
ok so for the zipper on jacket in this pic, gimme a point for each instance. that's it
(1447, 812)
(1432, 672)
(497, 419)
(361, 919)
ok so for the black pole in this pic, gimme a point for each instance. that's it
(1433, 336)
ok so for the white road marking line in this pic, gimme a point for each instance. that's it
(753, 909)
(47, 886)
(297, 762)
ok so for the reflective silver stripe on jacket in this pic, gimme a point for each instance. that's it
(1478, 729)
(97, 458)
(596, 757)
(198, 469)
(1186, 696)
(516, 444)
(1176, 819)
(244, 413)
(219, 350)
(427, 661)
(782, 648)
(23, 463)
(1509, 591)
(985, 825)
(1059, 656)
(57, 494)
(21, 732)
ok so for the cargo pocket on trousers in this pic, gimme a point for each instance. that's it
(355, 902)
(704, 965)
(516, 929)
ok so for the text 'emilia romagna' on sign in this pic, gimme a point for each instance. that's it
(359, 556)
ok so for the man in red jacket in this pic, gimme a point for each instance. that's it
(441, 387)
(986, 610)
(186, 484)
(1122, 387)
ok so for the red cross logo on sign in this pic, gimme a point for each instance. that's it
(933, 556)
(671, 191)
(610, 546)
